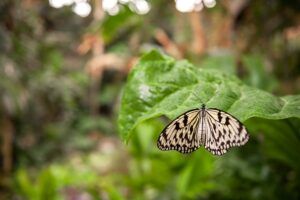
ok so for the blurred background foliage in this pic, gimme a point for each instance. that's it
(63, 65)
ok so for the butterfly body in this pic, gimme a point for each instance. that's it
(201, 129)
(212, 128)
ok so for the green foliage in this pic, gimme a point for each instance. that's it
(50, 182)
(159, 85)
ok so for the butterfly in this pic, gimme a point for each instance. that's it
(212, 128)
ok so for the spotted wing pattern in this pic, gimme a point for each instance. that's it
(222, 131)
(181, 133)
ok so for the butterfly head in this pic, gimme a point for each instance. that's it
(203, 106)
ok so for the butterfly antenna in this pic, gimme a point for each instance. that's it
(198, 98)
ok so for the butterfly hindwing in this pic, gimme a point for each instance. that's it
(224, 131)
(181, 133)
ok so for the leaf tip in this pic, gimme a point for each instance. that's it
(153, 55)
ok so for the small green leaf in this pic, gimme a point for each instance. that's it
(24, 185)
(159, 85)
(124, 21)
(153, 56)
(47, 186)
(281, 139)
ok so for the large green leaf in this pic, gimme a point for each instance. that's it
(159, 85)
(281, 139)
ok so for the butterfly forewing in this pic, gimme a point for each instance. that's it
(181, 133)
(224, 131)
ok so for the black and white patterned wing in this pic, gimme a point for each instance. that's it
(223, 131)
(181, 133)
